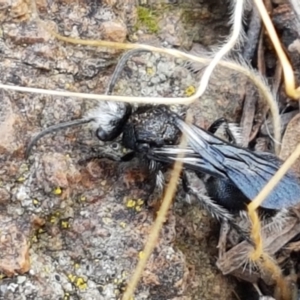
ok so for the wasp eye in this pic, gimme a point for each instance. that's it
(102, 135)
(115, 146)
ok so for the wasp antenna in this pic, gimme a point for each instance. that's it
(120, 67)
(53, 129)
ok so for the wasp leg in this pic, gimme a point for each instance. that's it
(157, 175)
(276, 222)
(101, 155)
(227, 131)
(224, 230)
(216, 211)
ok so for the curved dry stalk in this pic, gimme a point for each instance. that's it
(258, 254)
(236, 32)
(254, 77)
(129, 99)
(283, 290)
(289, 78)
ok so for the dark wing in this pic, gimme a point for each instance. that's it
(249, 171)
(191, 160)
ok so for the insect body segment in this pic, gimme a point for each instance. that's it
(152, 134)
(243, 172)
(149, 129)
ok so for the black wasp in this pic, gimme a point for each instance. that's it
(151, 133)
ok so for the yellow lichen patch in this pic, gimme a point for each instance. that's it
(64, 224)
(82, 198)
(78, 281)
(72, 277)
(76, 266)
(130, 203)
(150, 71)
(135, 204)
(34, 239)
(53, 219)
(138, 208)
(140, 202)
(123, 224)
(66, 296)
(35, 202)
(81, 283)
(190, 90)
(21, 179)
(57, 191)
(23, 169)
(41, 230)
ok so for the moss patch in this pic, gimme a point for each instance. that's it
(147, 18)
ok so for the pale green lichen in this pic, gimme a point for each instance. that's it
(147, 18)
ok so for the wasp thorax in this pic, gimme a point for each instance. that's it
(152, 128)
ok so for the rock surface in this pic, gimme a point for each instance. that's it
(81, 220)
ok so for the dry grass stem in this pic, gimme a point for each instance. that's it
(258, 255)
(254, 77)
(233, 39)
(288, 73)
(257, 80)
